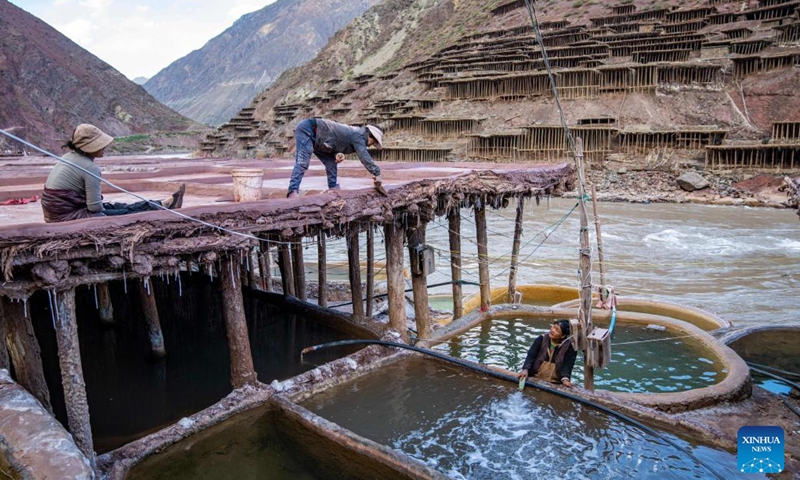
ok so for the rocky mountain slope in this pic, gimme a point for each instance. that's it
(650, 87)
(211, 84)
(48, 84)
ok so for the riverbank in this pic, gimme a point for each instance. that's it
(653, 186)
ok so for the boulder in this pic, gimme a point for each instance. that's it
(691, 181)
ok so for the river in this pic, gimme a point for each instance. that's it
(738, 262)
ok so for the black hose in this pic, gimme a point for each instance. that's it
(785, 373)
(792, 384)
(513, 379)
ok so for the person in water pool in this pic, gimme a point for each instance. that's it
(552, 356)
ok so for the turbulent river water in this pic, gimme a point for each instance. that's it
(740, 263)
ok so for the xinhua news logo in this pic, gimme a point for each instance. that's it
(760, 450)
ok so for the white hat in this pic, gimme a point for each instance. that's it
(90, 139)
(377, 134)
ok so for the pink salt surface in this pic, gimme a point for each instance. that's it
(208, 180)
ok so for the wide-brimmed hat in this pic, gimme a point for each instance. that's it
(90, 139)
(377, 134)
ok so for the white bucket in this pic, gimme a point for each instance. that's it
(247, 184)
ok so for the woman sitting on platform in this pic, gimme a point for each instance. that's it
(71, 193)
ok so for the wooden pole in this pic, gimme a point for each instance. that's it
(454, 221)
(322, 267)
(370, 270)
(255, 281)
(285, 265)
(483, 254)
(394, 279)
(299, 269)
(23, 348)
(599, 238)
(512, 275)
(354, 265)
(585, 311)
(265, 265)
(69, 358)
(242, 370)
(154, 334)
(104, 306)
(419, 282)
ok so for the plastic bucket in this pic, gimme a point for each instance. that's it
(247, 184)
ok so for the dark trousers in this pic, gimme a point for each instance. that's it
(112, 209)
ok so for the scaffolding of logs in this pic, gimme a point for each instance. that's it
(635, 141)
(443, 128)
(433, 153)
(785, 132)
(494, 146)
(778, 157)
(749, 65)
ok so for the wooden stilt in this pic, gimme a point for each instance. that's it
(395, 285)
(599, 238)
(512, 274)
(585, 311)
(299, 270)
(419, 283)
(322, 267)
(242, 370)
(285, 265)
(454, 221)
(69, 357)
(355, 273)
(265, 265)
(24, 351)
(154, 333)
(483, 254)
(255, 281)
(370, 270)
(104, 306)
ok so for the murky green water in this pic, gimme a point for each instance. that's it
(247, 447)
(468, 426)
(131, 395)
(642, 359)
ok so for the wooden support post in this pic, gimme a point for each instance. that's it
(354, 265)
(395, 286)
(69, 358)
(483, 254)
(265, 265)
(148, 299)
(512, 275)
(299, 269)
(370, 270)
(322, 267)
(104, 306)
(585, 311)
(419, 282)
(242, 370)
(285, 265)
(599, 238)
(24, 350)
(454, 222)
(252, 278)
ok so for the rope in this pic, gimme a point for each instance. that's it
(161, 207)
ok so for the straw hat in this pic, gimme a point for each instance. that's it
(90, 139)
(377, 134)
